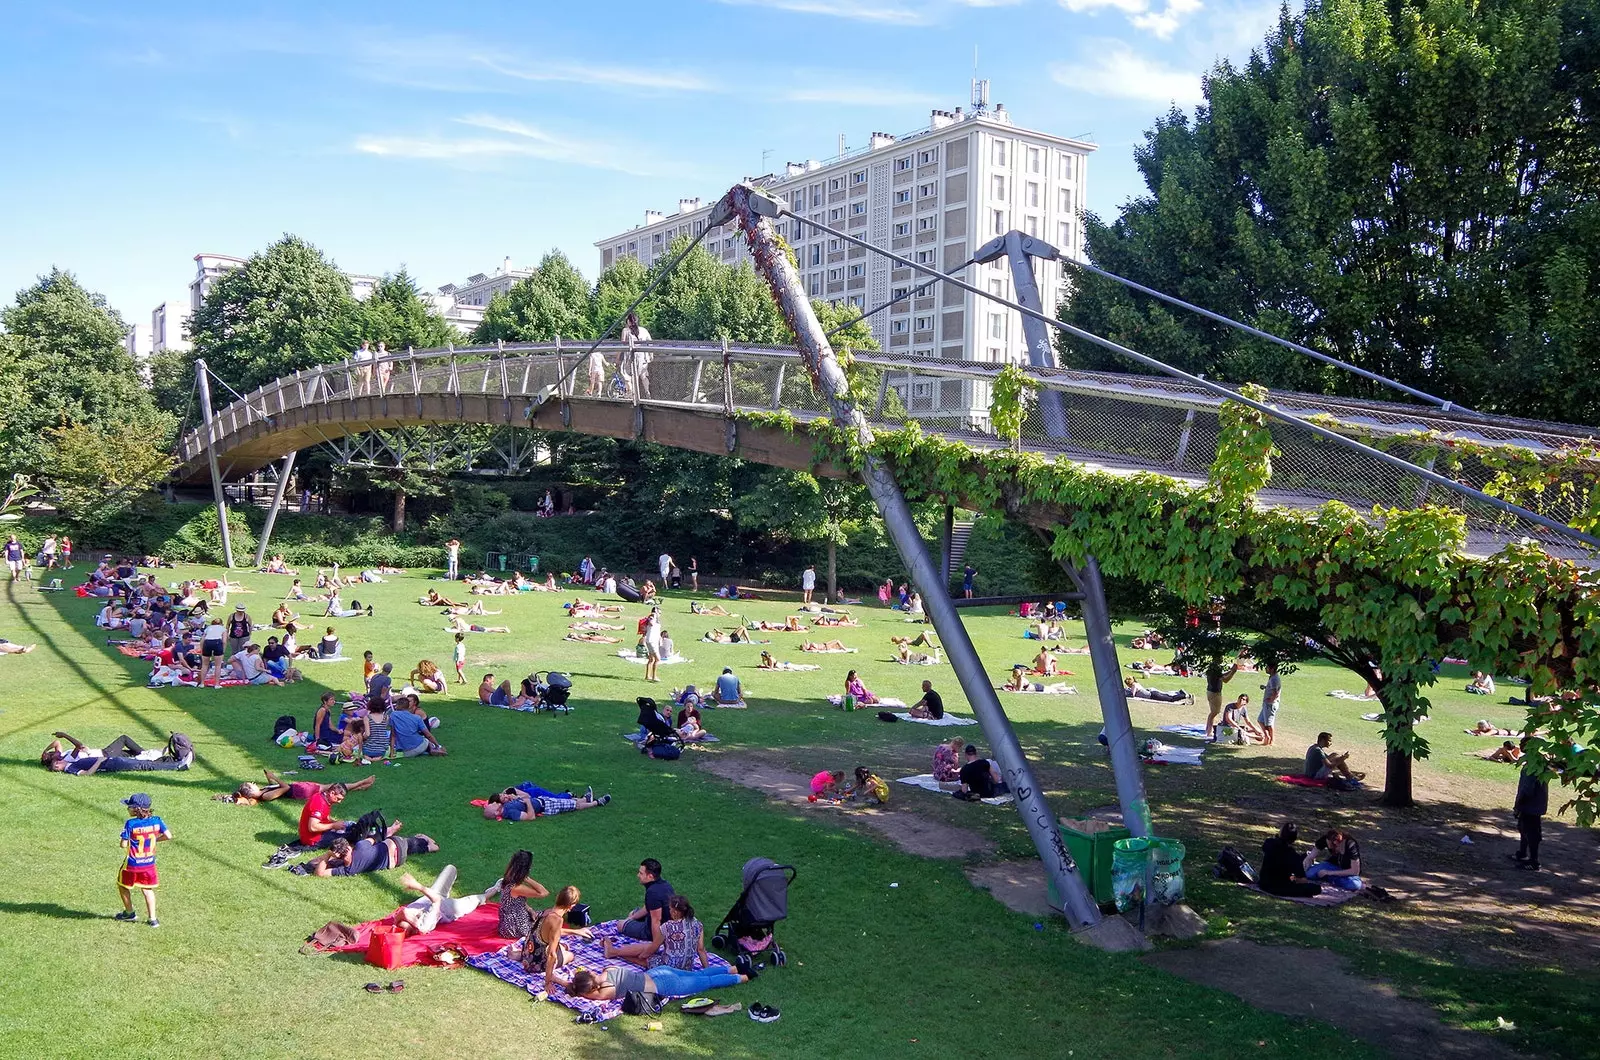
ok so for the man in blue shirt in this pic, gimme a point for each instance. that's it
(644, 923)
(729, 691)
(410, 731)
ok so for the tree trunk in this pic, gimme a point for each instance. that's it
(833, 571)
(1397, 781)
(399, 511)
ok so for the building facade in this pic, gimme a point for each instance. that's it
(464, 304)
(935, 196)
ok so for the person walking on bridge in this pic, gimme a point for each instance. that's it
(637, 360)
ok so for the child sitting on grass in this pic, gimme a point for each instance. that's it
(828, 784)
(869, 787)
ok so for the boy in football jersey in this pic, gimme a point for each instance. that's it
(140, 834)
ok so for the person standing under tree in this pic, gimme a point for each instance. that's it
(808, 582)
(1532, 803)
(140, 834)
(452, 558)
(694, 573)
(664, 565)
(967, 575)
(1270, 696)
(66, 552)
(14, 554)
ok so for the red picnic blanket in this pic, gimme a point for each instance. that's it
(477, 932)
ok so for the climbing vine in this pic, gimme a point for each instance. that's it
(1243, 463)
(1008, 405)
(1398, 580)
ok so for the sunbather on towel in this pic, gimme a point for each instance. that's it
(1506, 752)
(835, 620)
(344, 858)
(1020, 682)
(433, 599)
(697, 608)
(907, 657)
(1134, 690)
(458, 626)
(436, 906)
(1483, 728)
(592, 638)
(824, 646)
(921, 640)
(250, 793)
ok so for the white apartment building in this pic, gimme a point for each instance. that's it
(935, 195)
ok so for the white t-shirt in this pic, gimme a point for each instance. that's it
(665, 563)
(808, 580)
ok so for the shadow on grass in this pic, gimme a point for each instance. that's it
(50, 909)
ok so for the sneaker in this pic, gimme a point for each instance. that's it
(1531, 866)
(588, 793)
(154, 922)
(126, 914)
(605, 800)
(763, 1013)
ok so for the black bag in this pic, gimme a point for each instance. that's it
(369, 825)
(887, 715)
(642, 1003)
(578, 916)
(179, 746)
(285, 723)
(1231, 865)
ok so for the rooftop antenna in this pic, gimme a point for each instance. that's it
(980, 89)
(842, 147)
(766, 153)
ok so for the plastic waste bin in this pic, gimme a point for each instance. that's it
(1090, 843)
(1166, 871)
(1130, 859)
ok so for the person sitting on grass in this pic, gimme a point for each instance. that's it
(1481, 684)
(1336, 861)
(433, 599)
(729, 691)
(457, 625)
(1236, 726)
(930, 706)
(1019, 682)
(329, 647)
(527, 800)
(411, 730)
(1134, 690)
(823, 646)
(683, 940)
(1506, 752)
(924, 639)
(980, 778)
(1321, 764)
(689, 728)
(906, 657)
(490, 694)
(336, 608)
(344, 858)
(436, 906)
(542, 950)
(1283, 868)
(249, 667)
(869, 787)
(854, 687)
(250, 793)
(1044, 664)
(828, 784)
(427, 677)
(282, 616)
(947, 763)
(514, 888)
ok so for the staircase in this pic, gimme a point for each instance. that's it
(960, 534)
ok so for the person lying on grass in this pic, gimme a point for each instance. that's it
(122, 755)
(788, 625)
(1322, 764)
(869, 787)
(682, 941)
(433, 599)
(906, 657)
(436, 906)
(344, 858)
(823, 646)
(1019, 683)
(618, 981)
(735, 635)
(250, 793)
(697, 608)
(8, 648)
(336, 608)
(579, 608)
(590, 627)
(527, 800)
(474, 608)
(921, 640)
(457, 625)
(1134, 690)
(1506, 752)
(585, 637)
(840, 619)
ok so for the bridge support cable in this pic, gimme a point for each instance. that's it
(277, 503)
(767, 207)
(210, 424)
(829, 380)
(1020, 250)
(1420, 395)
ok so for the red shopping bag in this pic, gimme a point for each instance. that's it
(386, 945)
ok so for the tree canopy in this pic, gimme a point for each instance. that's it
(1408, 185)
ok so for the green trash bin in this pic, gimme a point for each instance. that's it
(1089, 842)
(1166, 871)
(1130, 859)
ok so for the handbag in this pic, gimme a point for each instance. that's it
(386, 946)
(578, 916)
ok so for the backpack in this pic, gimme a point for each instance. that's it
(369, 825)
(887, 715)
(1231, 865)
(285, 723)
(179, 746)
(642, 1003)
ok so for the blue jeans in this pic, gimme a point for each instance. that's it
(537, 792)
(1344, 883)
(675, 982)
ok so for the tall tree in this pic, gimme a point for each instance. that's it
(553, 301)
(396, 315)
(1408, 184)
(801, 507)
(285, 309)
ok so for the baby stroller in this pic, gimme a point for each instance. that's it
(747, 928)
(658, 738)
(553, 688)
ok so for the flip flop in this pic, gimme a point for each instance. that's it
(396, 986)
(724, 1010)
(373, 988)
(697, 1004)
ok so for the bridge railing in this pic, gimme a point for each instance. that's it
(1124, 422)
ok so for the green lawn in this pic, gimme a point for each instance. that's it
(932, 965)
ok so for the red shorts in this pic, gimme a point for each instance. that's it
(140, 877)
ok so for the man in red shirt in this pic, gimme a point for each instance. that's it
(318, 826)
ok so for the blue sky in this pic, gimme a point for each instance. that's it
(444, 138)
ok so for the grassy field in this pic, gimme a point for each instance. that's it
(933, 965)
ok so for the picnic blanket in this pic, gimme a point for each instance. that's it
(1069, 690)
(633, 738)
(135, 652)
(586, 953)
(477, 932)
(1197, 732)
(1310, 782)
(322, 658)
(1330, 896)
(884, 702)
(926, 782)
(948, 719)
(1339, 693)
(634, 657)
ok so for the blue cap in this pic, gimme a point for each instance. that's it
(139, 801)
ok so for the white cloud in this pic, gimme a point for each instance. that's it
(1142, 14)
(867, 11)
(600, 75)
(1114, 70)
(517, 140)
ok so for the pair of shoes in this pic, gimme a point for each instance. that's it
(744, 965)
(1531, 866)
(763, 1013)
(126, 914)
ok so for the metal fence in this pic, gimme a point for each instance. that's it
(1120, 422)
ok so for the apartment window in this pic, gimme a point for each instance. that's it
(998, 186)
(901, 292)
(633, 247)
(898, 327)
(997, 326)
(903, 228)
(1063, 235)
(928, 157)
(999, 222)
(902, 164)
(922, 389)
(902, 196)
(1066, 167)
(1033, 194)
(835, 244)
(999, 152)
(836, 184)
(858, 177)
(997, 288)
(1035, 162)
(855, 300)
(816, 195)
(924, 257)
(858, 208)
(816, 286)
(836, 213)
(925, 190)
(816, 253)
(835, 274)
(657, 239)
(1030, 225)
(924, 323)
(858, 270)
(927, 224)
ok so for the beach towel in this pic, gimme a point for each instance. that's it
(1178, 756)
(788, 666)
(926, 660)
(926, 782)
(633, 738)
(322, 658)
(586, 953)
(1330, 896)
(885, 702)
(1372, 717)
(1197, 732)
(628, 656)
(1070, 690)
(830, 651)
(710, 703)
(948, 719)
(1309, 782)
(1339, 693)
(477, 932)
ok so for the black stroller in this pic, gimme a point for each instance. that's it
(550, 690)
(659, 738)
(747, 929)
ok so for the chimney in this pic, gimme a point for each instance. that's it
(881, 139)
(688, 205)
(812, 165)
(652, 216)
(794, 169)
(941, 119)
(505, 266)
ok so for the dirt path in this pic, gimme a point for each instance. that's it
(1318, 984)
(908, 831)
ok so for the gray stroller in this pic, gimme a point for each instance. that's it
(747, 929)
